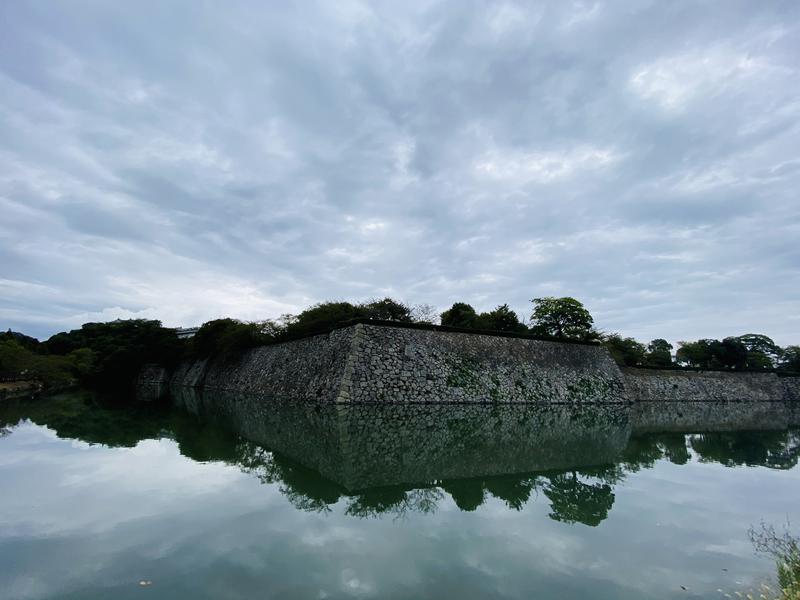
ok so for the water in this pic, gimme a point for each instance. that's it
(499, 503)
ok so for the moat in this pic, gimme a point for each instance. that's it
(196, 501)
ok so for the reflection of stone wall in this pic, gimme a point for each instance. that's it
(656, 385)
(371, 363)
(686, 416)
(368, 445)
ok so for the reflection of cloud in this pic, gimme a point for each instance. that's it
(100, 517)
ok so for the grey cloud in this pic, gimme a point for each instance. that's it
(188, 161)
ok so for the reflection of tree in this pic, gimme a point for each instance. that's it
(514, 490)
(643, 451)
(573, 501)
(579, 495)
(91, 419)
(394, 500)
(303, 487)
(468, 494)
(773, 449)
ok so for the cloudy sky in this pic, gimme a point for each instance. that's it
(185, 161)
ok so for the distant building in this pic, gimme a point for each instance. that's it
(186, 332)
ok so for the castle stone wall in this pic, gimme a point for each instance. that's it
(380, 364)
(373, 363)
(657, 385)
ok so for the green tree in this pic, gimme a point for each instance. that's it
(387, 309)
(501, 318)
(729, 353)
(762, 352)
(790, 359)
(323, 316)
(460, 315)
(561, 317)
(659, 353)
(699, 354)
(119, 349)
(626, 351)
(227, 337)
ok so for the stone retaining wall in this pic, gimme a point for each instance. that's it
(309, 369)
(662, 385)
(373, 363)
(791, 386)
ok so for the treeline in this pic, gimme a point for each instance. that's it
(99, 355)
(109, 355)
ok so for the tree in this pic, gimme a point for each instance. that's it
(387, 309)
(119, 349)
(501, 318)
(659, 353)
(561, 317)
(228, 337)
(790, 359)
(699, 354)
(626, 351)
(733, 354)
(762, 352)
(460, 315)
(424, 313)
(322, 316)
(729, 353)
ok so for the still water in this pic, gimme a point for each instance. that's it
(103, 502)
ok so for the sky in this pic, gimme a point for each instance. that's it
(185, 161)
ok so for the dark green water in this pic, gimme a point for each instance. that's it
(96, 500)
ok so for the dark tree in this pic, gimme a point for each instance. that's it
(119, 349)
(324, 316)
(762, 352)
(626, 351)
(561, 317)
(387, 309)
(501, 318)
(460, 315)
(790, 359)
(227, 337)
(659, 353)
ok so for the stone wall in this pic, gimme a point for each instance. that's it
(308, 370)
(371, 363)
(412, 365)
(374, 363)
(152, 383)
(663, 385)
(791, 386)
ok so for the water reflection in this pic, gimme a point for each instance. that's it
(394, 460)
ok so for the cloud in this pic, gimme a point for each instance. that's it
(185, 162)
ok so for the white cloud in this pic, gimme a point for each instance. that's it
(544, 166)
